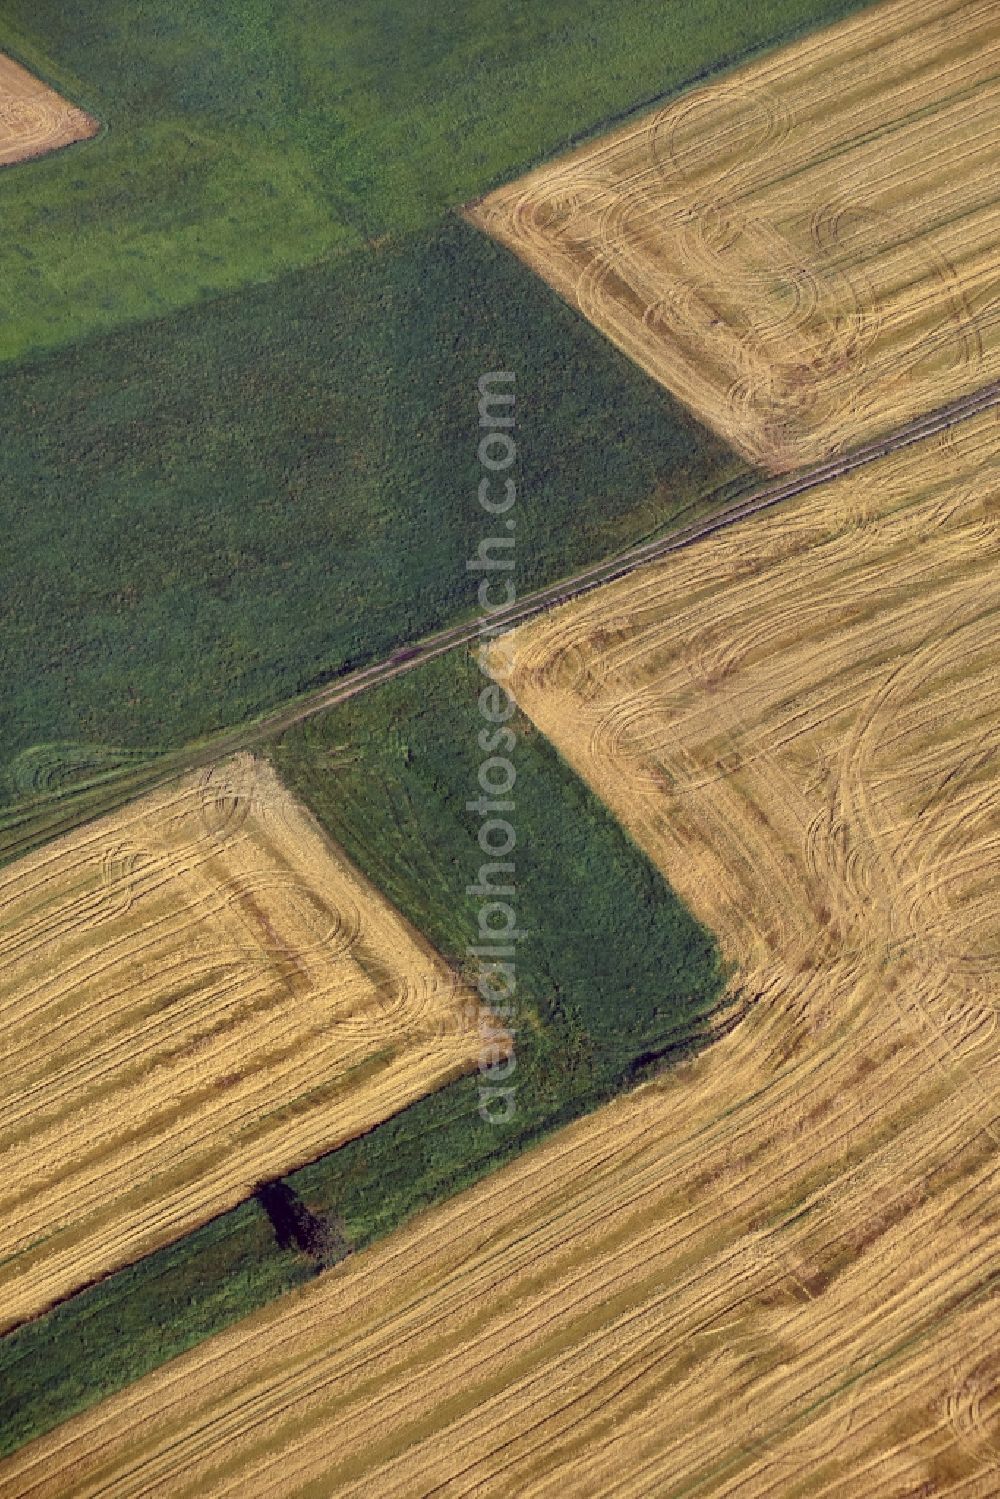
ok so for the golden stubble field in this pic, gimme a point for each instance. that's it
(34, 119)
(773, 1272)
(196, 994)
(804, 252)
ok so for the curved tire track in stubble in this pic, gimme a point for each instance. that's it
(790, 333)
(208, 1036)
(973, 1409)
(34, 119)
(798, 396)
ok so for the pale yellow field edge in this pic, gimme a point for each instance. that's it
(34, 119)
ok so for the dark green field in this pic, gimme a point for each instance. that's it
(614, 979)
(209, 514)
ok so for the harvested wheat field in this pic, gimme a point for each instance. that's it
(34, 119)
(773, 1271)
(196, 993)
(804, 252)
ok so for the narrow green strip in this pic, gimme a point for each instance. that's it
(614, 973)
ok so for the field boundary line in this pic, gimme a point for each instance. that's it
(407, 657)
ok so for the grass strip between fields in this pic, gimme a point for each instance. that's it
(614, 975)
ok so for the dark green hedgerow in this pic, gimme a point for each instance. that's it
(613, 971)
(613, 974)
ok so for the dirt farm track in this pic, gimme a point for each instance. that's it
(34, 119)
(774, 1271)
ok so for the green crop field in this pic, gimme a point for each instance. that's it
(211, 513)
(244, 140)
(241, 335)
(614, 978)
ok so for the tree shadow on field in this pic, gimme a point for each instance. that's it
(321, 1238)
